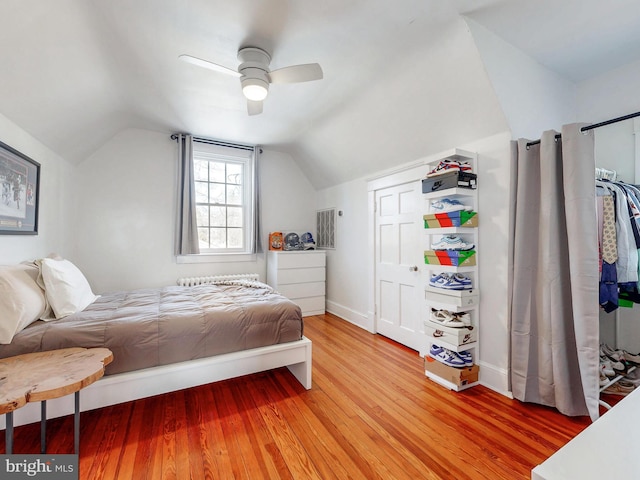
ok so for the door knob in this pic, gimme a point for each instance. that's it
(413, 269)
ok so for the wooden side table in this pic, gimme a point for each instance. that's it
(42, 376)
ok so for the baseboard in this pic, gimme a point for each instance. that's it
(494, 378)
(350, 315)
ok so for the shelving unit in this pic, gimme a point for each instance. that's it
(452, 301)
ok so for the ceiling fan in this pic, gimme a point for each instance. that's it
(255, 75)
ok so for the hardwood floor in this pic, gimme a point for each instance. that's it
(370, 414)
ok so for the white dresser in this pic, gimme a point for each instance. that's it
(299, 276)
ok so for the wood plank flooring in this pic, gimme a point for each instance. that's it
(370, 414)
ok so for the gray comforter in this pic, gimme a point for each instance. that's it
(146, 328)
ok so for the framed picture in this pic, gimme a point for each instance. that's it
(20, 190)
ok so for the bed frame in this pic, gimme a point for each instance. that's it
(128, 386)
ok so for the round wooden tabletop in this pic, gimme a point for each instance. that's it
(34, 377)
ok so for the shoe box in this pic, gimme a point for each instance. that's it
(447, 180)
(452, 258)
(457, 375)
(456, 298)
(463, 218)
(452, 335)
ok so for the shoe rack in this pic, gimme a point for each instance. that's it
(466, 263)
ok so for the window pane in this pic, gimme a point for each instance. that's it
(202, 192)
(216, 192)
(218, 238)
(202, 216)
(203, 237)
(234, 217)
(201, 170)
(218, 217)
(235, 237)
(234, 195)
(234, 173)
(217, 172)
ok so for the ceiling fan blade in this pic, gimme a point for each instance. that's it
(296, 73)
(254, 108)
(210, 65)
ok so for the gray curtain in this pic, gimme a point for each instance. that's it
(257, 228)
(186, 226)
(554, 265)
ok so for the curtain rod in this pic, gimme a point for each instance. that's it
(594, 126)
(211, 141)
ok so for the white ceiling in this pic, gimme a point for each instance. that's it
(402, 79)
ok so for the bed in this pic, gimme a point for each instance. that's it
(201, 331)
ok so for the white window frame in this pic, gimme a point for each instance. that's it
(244, 156)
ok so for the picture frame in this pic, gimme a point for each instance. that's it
(19, 192)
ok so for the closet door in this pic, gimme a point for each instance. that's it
(397, 281)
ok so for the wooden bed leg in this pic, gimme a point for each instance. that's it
(302, 371)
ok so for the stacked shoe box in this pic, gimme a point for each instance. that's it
(457, 375)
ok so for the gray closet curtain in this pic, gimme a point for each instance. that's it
(186, 226)
(554, 293)
(257, 227)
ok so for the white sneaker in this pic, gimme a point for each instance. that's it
(452, 242)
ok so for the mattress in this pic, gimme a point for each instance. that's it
(151, 327)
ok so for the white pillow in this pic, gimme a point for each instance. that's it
(66, 288)
(22, 301)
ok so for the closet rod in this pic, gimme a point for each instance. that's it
(595, 125)
(211, 141)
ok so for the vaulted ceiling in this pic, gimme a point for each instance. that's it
(402, 79)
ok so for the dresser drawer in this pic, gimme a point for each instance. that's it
(311, 305)
(300, 259)
(300, 275)
(301, 290)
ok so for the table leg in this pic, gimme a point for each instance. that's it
(8, 433)
(76, 423)
(43, 426)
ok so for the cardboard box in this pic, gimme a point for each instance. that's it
(451, 258)
(448, 180)
(463, 218)
(458, 376)
(454, 336)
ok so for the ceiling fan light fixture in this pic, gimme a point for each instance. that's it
(255, 89)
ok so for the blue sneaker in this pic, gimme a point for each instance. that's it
(450, 282)
(445, 205)
(446, 356)
(466, 357)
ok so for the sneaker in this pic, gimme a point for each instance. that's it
(446, 318)
(445, 205)
(462, 280)
(452, 242)
(603, 379)
(448, 165)
(631, 358)
(450, 282)
(467, 357)
(620, 388)
(463, 317)
(606, 367)
(446, 356)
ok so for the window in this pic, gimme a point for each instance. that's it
(224, 191)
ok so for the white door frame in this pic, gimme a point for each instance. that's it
(390, 178)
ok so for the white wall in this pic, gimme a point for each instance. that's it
(348, 265)
(348, 283)
(56, 197)
(533, 98)
(125, 221)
